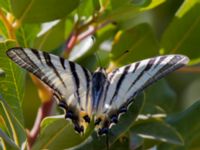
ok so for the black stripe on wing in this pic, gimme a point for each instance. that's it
(120, 81)
(148, 66)
(19, 56)
(172, 65)
(51, 65)
(76, 79)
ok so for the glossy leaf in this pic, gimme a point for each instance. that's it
(86, 8)
(42, 11)
(26, 34)
(52, 38)
(188, 125)
(183, 33)
(5, 4)
(2, 72)
(57, 133)
(134, 44)
(165, 98)
(124, 10)
(3, 30)
(15, 129)
(8, 140)
(12, 86)
(157, 130)
(81, 48)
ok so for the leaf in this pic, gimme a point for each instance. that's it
(188, 125)
(3, 30)
(42, 11)
(81, 48)
(125, 122)
(86, 8)
(52, 38)
(8, 140)
(183, 33)
(125, 10)
(26, 34)
(57, 133)
(5, 4)
(15, 129)
(2, 72)
(165, 98)
(134, 44)
(157, 130)
(12, 86)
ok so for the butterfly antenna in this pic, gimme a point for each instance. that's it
(98, 59)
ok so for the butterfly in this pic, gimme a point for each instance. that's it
(83, 94)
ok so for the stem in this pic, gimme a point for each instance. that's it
(43, 111)
(189, 70)
(8, 26)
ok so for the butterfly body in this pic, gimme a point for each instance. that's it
(100, 95)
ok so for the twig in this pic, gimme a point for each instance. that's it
(8, 26)
(43, 112)
(91, 30)
(189, 70)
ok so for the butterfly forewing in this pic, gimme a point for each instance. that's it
(126, 82)
(69, 81)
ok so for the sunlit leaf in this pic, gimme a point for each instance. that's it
(57, 133)
(42, 11)
(183, 33)
(12, 86)
(15, 130)
(157, 130)
(124, 10)
(134, 44)
(1, 72)
(52, 38)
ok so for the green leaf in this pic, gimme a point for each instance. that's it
(183, 33)
(12, 86)
(125, 122)
(120, 144)
(26, 34)
(81, 48)
(57, 133)
(15, 129)
(134, 44)
(86, 8)
(42, 11)
(188, 125)
(157, 130)
(8, 140)
(52, 38)
(2, 72)
(6, 5)
(124, 10)
(165, 98)
(3, 31)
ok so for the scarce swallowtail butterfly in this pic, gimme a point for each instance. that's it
(101, 95)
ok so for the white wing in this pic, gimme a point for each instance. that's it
(126, 82)
(70, 82)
